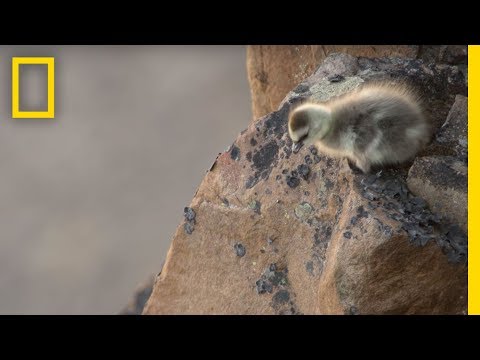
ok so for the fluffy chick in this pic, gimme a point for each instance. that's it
(376, 124)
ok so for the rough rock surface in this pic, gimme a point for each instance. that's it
(274, 70)
(453, 133)
(277, 232)
(442, 182)
(448, 54)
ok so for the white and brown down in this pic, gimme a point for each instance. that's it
(376, 124)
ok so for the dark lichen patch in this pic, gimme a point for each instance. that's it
(414, 217)
(301, 172)
(253, 142)
(265, 156)
(329, 184)
(454, 236)
(188, 227)
(225, 202)
(288, 151)
(271, 278)
(275, 279)
(275, 276)
(281, 297)
(249, 156)
(309, 267)
(322, 234)
(386, 229)
(313, 150)
(347, 235)
(262, 76)
(262, 162)
(276, 123)
(314, 222)
(251, 182)
(292, 181)
(316, 159)
(304, 171)
(441, 173)
(308, 160)
(264, 175)
(189, 214)
(235, 153)
(263, 286)
(372, 206)
(361, 213)
(301, 88)
(283, 303)
(240, 250)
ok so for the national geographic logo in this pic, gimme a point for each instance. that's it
(17, 113)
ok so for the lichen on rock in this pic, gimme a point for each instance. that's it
(344, 242)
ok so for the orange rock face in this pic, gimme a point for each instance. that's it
(275, 232)
(274, 70)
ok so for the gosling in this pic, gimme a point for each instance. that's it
(376, 125)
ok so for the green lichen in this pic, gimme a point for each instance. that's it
(255, 206)
(303, 210)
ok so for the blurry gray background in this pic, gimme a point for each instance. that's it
(90, 200)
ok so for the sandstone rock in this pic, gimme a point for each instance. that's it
(323, 241)
(274, 70)
(442, 182)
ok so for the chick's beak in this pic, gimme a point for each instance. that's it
(297, 146)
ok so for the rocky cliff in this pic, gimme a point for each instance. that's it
(273, 232)
(274, 70)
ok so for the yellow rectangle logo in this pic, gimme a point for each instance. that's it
(16, 62)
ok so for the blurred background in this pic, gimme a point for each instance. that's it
(90, 200)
